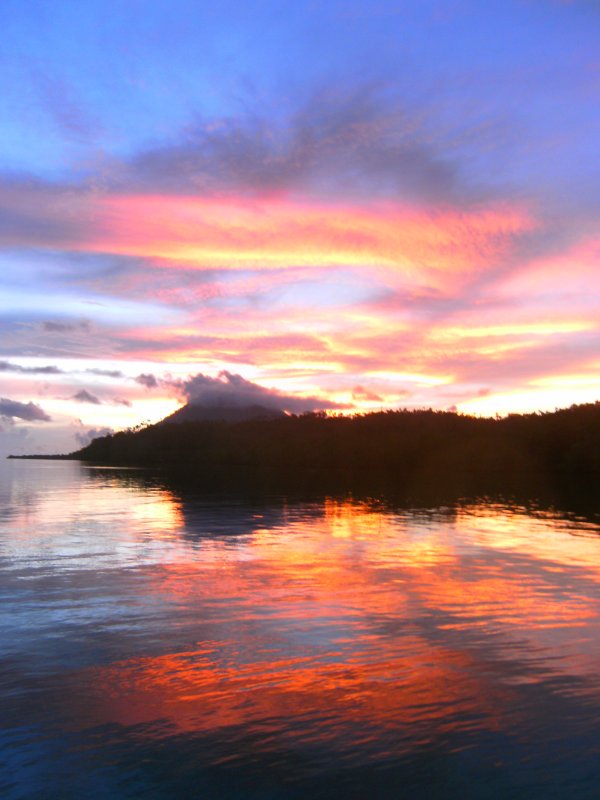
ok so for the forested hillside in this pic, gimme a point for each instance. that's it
(412, 446)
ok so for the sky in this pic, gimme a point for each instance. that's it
(339, 205)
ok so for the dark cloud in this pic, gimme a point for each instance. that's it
(233, 391)
(6, 366)
(27, 411)
(148, 380)
(85, 437)
(84, 396)
(35, 212)
(106, 373)
(66, 327)
(360, 141)
(121, 401)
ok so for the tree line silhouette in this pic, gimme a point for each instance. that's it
(411, 447)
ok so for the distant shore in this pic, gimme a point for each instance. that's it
(41, 457)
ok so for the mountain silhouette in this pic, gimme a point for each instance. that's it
(221, 413)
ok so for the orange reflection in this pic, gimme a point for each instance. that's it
(195, 691)
(360, 617)
(159, 513)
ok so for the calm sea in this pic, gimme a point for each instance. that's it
(161, 644)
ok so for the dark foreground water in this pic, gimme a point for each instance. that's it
(159, 645)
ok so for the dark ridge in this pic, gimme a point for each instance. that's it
(408, 449)
(224, 413)
(53, 457)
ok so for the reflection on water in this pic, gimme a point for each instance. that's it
(157, 644)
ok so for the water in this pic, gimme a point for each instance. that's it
(155, 644)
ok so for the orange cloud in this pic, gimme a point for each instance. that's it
(415, 307)
(274, 233)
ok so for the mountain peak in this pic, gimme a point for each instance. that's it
(222, 413)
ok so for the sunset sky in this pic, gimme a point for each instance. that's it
(342, 205)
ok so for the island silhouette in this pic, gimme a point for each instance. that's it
(395, 448)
